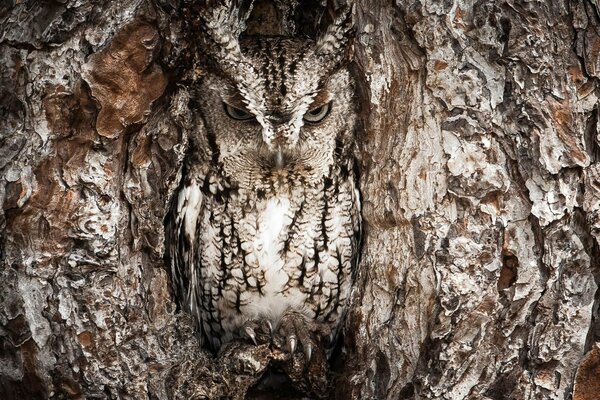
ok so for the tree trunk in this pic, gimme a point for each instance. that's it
(481, 193)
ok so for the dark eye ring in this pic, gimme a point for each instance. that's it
(237, 113)
(318, 114)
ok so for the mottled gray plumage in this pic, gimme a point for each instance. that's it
(267, 221)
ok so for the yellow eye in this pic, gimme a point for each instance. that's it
(318, 114)
(237, 113)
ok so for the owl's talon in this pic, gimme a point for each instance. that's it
(291, 341)
(296, 330)
(251, 334)
(257, 331)
(308, 351)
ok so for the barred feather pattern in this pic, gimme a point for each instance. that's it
(252, 255)
(268, 216)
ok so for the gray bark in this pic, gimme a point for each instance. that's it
(480, 182)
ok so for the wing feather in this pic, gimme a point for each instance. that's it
(182, 227)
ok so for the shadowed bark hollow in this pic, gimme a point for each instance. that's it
(480, 179)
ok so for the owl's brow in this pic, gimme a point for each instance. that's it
(236, 100)
(322, 97)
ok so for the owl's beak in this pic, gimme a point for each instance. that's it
(279, 159)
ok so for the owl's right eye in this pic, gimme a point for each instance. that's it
(237, 113)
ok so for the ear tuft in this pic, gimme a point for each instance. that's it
(335, 44)
(218, 25)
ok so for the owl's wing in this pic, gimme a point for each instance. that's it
(182, 230)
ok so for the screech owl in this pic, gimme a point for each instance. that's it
(265, 228)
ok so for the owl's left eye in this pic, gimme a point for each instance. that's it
(318, 114)
(237, 113)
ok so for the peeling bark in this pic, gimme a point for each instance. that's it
(480, 179)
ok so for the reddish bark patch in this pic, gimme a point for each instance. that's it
(587, 384)
(509, 271)
(68, 113)
(439, 65)
(85, 338)
(43, 217)
(124, 78)
(566, 130)
(141, 154)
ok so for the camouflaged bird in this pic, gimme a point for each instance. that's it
(265, 228)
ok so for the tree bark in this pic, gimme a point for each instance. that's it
(481, 193)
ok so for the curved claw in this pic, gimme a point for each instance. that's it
(291, 342)
(308, 351)
(251, 334)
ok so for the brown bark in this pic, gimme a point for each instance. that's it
(480, 183)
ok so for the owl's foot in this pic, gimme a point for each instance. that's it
(258, 331)
(296, 329)
(307, 371)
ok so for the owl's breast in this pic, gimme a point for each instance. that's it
(264, 235)
(263, 254)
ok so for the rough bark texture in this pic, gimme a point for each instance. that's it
(481, 186)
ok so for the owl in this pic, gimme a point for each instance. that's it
(264, 231)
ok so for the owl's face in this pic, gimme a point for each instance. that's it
(285, 120)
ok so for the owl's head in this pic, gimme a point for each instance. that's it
(277, 107)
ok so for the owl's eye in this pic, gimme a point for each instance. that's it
(237, 113)
(317, 114)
